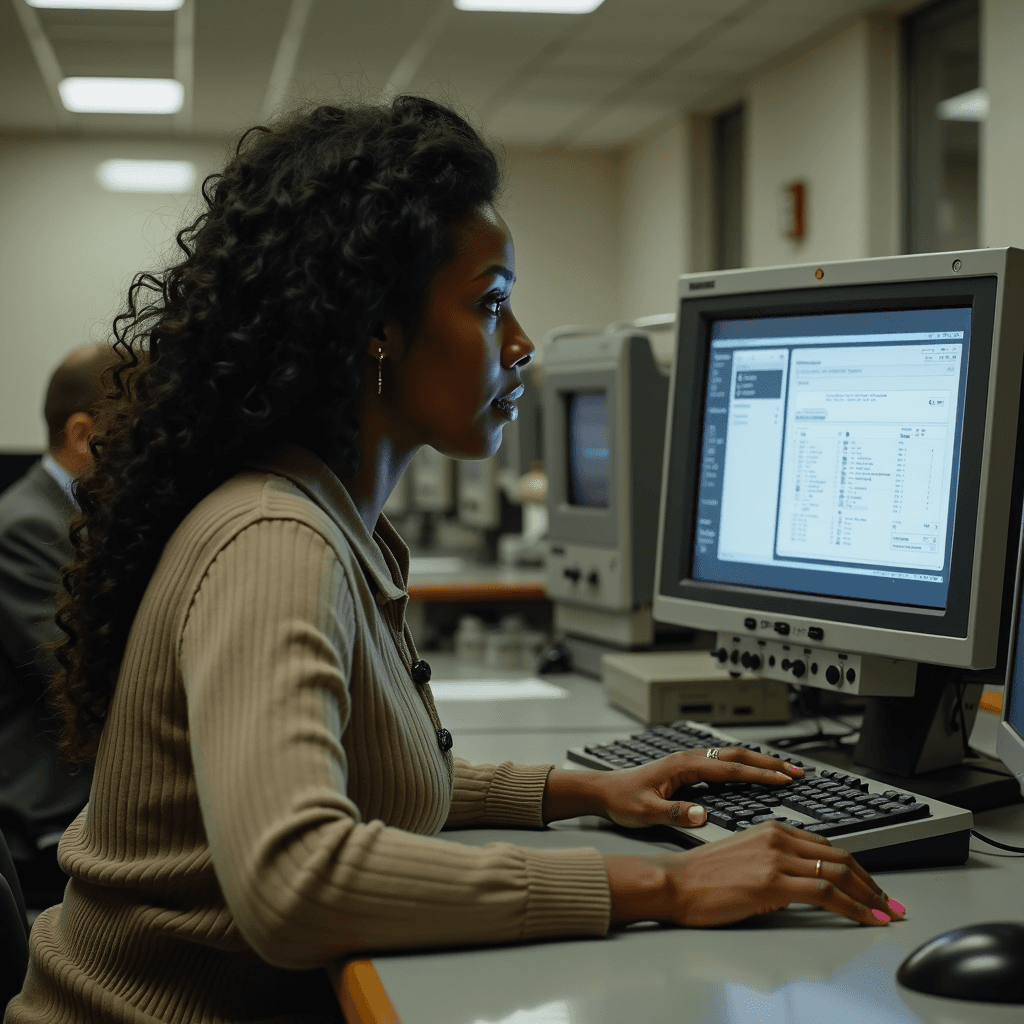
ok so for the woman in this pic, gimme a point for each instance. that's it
(270, 769)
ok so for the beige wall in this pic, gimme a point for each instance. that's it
(827, 116)
(654, 230)
(562, 208)
(68, 250)
(1002, 136)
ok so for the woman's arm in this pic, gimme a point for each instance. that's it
(265, 660)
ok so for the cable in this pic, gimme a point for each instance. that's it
(993, 842)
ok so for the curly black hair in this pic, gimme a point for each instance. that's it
(321, 226)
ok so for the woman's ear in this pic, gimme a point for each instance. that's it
(388, 335)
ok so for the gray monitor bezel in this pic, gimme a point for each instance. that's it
(963, 639)
(579, 524)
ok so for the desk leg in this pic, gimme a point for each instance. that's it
(362, 996)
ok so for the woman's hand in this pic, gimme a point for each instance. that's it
(638, 797)
(754, 872)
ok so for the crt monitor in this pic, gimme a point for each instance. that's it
(604, 401)
(840, 473)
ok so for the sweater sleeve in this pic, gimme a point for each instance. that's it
(264, 654)
(504, 796)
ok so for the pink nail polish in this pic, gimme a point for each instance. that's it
(881, 917)
(898, 907)
(793, 768)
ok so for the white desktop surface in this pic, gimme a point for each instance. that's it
(799, 966)
(585, 709)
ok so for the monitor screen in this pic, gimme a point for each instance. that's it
(1014, 693)
(589, 449)
(830, 453)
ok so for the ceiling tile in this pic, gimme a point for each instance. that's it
(658, 25)
(24, 99)
(234, 54)
(534, 122)
(113, 59)
(576, 87)
(623, 123)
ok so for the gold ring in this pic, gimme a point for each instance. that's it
(817, 870)
(713, 752)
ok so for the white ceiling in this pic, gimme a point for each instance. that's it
(600, 79)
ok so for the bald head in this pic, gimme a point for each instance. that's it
(76, 390)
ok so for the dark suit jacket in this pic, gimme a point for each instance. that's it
(38, 797)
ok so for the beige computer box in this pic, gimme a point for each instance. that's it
(665, 686)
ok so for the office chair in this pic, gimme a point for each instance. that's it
(13, 928)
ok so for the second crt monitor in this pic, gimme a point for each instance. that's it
(839, 479)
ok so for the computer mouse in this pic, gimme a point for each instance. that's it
(981, 962)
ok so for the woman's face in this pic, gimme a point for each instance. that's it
(453, 383)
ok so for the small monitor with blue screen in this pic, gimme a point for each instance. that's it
(589, 449)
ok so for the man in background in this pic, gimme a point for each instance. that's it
(38, 796)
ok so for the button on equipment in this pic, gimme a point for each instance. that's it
(815, 633)
(833, 676)
(782, 628)
(750, 623)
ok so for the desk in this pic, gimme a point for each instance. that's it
(457, 581)
(585, 710)
(795, 967)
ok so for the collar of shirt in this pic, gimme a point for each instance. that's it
(61, 475)
(383, 555)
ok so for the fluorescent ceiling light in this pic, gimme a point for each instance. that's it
(108, 5)
(122, 95)
(531, 6)
(146, 175)
(968, 106)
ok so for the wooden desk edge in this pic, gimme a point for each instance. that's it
(361, 993)
(477, 591)
(991, 701)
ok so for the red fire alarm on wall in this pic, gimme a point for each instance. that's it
(793, 209)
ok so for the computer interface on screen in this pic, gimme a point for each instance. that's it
(830, 453)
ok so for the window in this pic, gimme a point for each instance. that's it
(945, 107)
(727, 188)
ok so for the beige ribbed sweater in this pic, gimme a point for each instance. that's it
(269, 780)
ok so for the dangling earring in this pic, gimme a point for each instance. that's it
(380, 369)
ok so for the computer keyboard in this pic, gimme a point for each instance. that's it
(885, 827)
